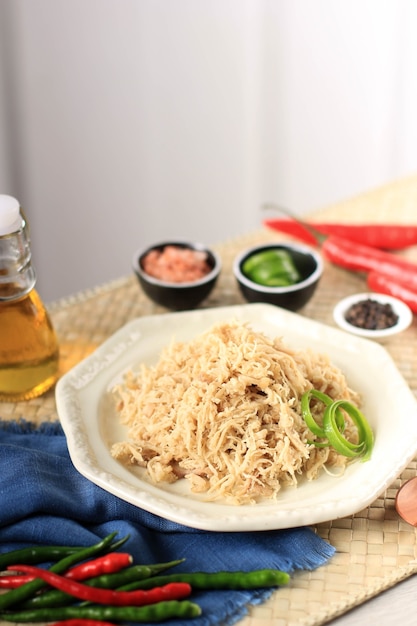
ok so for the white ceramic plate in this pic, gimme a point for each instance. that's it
(88, 416)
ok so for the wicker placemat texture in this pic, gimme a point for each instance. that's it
(375, 548)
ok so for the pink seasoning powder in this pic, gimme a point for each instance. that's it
(176, 265)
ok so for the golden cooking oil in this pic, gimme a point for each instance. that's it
(29, 351)
(29, 354)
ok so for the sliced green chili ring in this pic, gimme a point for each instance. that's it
(306, 412)
(365, 430)
(272, 280)
(366, 436)
(334, 425)
(271, 268)
(335, 437)
(308, 418)
(273, 255)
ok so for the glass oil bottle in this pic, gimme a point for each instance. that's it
(29, 351)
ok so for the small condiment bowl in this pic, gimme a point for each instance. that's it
(399, 308)
(177, 295)
(292, 297)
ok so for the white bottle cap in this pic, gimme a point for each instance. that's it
(10, 218)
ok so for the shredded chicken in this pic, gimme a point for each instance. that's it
(223, 411)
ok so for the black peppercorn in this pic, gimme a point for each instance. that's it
(371, 315)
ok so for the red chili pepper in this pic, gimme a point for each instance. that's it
(384, 284)
(382, 236)
(140, 597)
(293, 228)
(106, 564)
(13, 581)
(354, 256)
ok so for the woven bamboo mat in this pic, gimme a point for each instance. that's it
(375, 549)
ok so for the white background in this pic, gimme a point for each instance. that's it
(125, 122)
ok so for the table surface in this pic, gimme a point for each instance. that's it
(373, 571)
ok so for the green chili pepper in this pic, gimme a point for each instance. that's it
(36, 554)
(271, 268)
(46, 554)
(56, 598)
(151, 613)
(217, 580)
(26, 591)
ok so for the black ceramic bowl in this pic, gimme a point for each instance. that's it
(177, 296)
(293, 297)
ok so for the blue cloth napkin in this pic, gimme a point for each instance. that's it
(44, 500)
